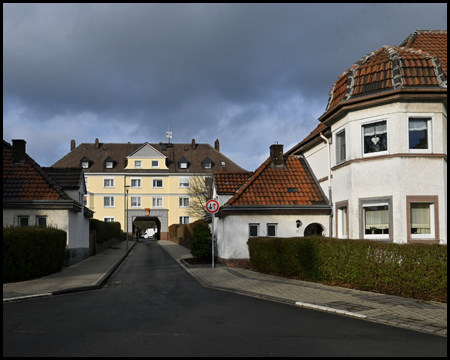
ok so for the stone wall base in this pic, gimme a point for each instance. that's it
(244, 263)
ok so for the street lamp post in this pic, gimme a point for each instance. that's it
(126, 199)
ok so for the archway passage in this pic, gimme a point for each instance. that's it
(314, 229)
(142, 223)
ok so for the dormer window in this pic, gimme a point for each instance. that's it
(183, 163)
(138, 164)
(207, 163)
(109, 163)
(84, 162)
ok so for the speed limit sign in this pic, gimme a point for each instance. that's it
(212, 206)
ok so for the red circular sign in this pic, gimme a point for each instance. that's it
(212, 206)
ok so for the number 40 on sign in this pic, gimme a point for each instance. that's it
(212, 206)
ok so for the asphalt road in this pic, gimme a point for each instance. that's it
(152, 307)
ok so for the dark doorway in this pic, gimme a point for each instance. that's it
(314, 229)
(142, 223)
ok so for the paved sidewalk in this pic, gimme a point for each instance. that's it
(426, 316)
(89, 274)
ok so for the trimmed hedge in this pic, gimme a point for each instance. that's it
(32, 252)
(106, 230)
(410, 270)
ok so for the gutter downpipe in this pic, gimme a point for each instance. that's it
(330, 230)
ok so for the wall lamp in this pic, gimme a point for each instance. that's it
(299, 223)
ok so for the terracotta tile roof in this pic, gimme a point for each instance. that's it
(393, 67)
(66, 178)
(229, 183)
(433, 41)
(174, 153)
(292, 184)
(27, 181)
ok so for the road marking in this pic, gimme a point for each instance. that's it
(329, 309)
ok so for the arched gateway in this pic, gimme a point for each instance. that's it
(160, 216)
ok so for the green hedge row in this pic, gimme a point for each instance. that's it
(32, 252)
(105, 230)
(411, 270)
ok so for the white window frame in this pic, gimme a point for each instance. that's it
(86, 181)
(368, 123)
(434, 216)
(136, 186)
(249, 230)
(155, 166)
(157, 199)
(109, 164)
(184, 182)
(111, 203)
(223, 163)
(158, 187)
(183, 165)
(182, 201)
(138, 164)
(207, 165)
(429, 118)
(108, 186)
(376, 236)
(137, 200)
(185, 220)
(108, 219)
(337, 142)
(85, 164)
(342, 220)
(274, 225)
(41, 217)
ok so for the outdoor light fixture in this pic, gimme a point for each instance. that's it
(299, 223)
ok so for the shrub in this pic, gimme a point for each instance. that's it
(201, 242)
(32, 252)
(410, 270)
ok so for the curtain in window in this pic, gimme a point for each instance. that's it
(377, 217)
(420, 218)
(417, 124)
(375, 137)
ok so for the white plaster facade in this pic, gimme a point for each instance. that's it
(397, 174)
(233, 230)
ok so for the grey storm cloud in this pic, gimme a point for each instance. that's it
(178, 63)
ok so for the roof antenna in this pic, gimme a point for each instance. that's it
(168, 133)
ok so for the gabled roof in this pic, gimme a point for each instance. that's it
(292, 184)
(173, 152)
(66, 178)
(28, 181)
(228, 183)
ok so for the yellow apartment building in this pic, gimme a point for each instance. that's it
(144, 181)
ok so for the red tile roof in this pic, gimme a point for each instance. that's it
(27, 181)
(229, 183)
(292, 184)
(393, 67)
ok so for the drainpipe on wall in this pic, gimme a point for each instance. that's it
(330, 230)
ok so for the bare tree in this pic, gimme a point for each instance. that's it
(199, 192)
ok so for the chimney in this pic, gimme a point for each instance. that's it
(193, 144)
(72, 145)
(19, 150)
(96, 144)
(217, 145)
(276, 155)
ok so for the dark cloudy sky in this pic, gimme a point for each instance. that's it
(246, 74)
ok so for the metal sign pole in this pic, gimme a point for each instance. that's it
(212, 238)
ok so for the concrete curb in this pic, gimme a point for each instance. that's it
(200, 265)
